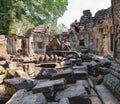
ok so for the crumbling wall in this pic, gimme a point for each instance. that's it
(116, 24)
(95, 31)
(3, 48)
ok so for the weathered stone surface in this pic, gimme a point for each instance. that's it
(49, 87)
(104, 71)
(4, 98)
(52, 103)
(12, 65)
(46, 73)
(30, 69)
(72, 92)
(64, 101)
(46, 88)
(83, 83)
(86, 58)
(113, 83)
(59, 84)
(67, 74)
(35, 99)
(105, 95)
(80, 75)
(82, 68)
(18, 97)
(2, 63)
(93, 68)
(1, 69)
(2, 78)
(14, 84)
(21, 74)
(105, 63)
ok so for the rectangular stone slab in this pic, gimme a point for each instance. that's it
(72, 91)
(14, 84)
(106, 95)
(80, 75)
(35, 99)
(67, 74)
(84, 68)
(43, 87)
(47, 88)
(59, 84)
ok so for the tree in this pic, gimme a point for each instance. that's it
(19, 15)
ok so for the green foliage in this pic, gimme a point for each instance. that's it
(19, 15)
(5, 71)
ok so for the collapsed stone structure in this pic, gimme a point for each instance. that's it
(95, 33)
(34, 41)
(74, 79)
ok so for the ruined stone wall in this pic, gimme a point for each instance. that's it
(14, 45)
(40, 41)
(116, 23)
(96, 31)
(3, 45)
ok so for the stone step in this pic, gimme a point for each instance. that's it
(106, 95)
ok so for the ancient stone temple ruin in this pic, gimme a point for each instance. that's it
(80, 66)
(95, 33)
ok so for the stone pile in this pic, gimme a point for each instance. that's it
(69, 83)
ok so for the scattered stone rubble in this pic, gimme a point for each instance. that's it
(72, 80)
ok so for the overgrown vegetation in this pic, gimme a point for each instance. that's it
(16, 16)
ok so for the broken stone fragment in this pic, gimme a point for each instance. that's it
(106, 95)
(104, 71)
(30, 69)
(86, 58)
(2, 63)
(72, 92)
(105, 63)
(12, 65)
(47, 88)
(80, 75)
(66, 74)
(93, 68)
(83, 83)
(35, 99)
(45, 73)
(18, 97)
(11, 73)
(21, 74)
(1, 69)
(113, 83)
(59, 84)
(2, 78)
(14, 84)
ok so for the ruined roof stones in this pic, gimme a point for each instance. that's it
(87, 21)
